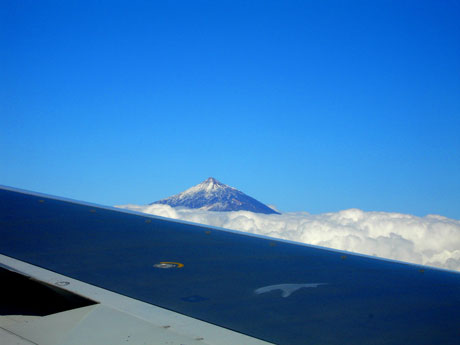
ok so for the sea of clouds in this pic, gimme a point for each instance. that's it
(431, 240)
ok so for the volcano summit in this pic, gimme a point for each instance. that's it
(212, 195)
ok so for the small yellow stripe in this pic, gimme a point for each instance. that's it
(178, 264)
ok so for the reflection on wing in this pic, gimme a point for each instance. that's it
(286, 289)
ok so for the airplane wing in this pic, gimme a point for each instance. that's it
(74, 273)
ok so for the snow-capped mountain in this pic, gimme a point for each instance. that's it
(212, 195)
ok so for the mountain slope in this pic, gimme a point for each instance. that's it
(213, 195)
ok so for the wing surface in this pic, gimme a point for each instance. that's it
(231, 284)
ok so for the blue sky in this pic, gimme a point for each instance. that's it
(311, 106)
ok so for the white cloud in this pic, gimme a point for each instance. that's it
(431, 240)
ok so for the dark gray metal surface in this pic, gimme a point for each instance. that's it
(235, 280)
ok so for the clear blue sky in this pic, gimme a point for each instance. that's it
(311, 106)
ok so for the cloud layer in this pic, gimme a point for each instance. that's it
(431, 240)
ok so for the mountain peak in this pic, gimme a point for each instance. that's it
(211, 183)
(213, 195)
(211, 180)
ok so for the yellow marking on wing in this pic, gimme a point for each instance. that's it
(177, 264)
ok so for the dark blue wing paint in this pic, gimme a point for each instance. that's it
(257, 286)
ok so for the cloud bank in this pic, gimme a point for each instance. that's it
(431, 240)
